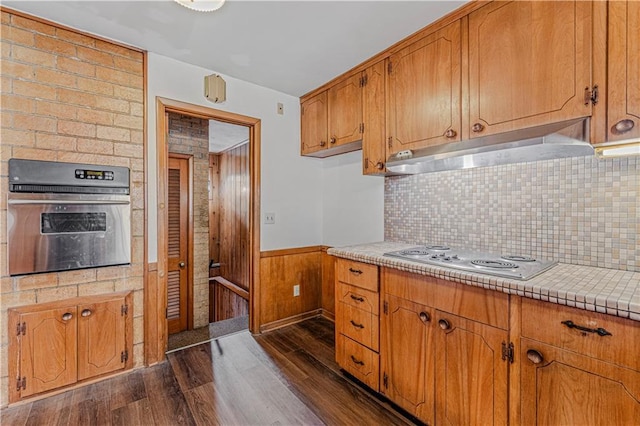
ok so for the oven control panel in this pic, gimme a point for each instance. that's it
(94, 174)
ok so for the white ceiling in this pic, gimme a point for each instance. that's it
(289, 46)
(223, 136)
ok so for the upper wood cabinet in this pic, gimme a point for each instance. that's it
(423, 92)
(373, 115)
(313, 124)
(345, 111)
(623, 71)
(529, 64)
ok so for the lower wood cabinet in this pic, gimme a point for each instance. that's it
(57, 344)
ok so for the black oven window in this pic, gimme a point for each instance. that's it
(58, 223)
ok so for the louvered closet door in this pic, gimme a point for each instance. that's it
(177, 273)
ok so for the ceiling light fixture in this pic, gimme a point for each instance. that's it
(201, 5)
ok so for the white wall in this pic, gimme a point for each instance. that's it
(291, 185)
(352, 204)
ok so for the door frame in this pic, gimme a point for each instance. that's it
(157, 330)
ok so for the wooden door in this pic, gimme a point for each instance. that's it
(48, 350)
(373, 116)
(423, 92)
(471, 377)
(345, 111)
(560, 387)
(101, 338)
(624, 70)
(407, 356)
(313, 124)
(177, 268)
(529, 64)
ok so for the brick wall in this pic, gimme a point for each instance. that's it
(72, 98)
(190, 136)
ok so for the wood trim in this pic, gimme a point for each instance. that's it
(515, 327)
(290, 251)
(163, 107)
(599, 77)
(274, 325)
(152, 322)
(461, 12)
(329, 315)
(70, 29)
(231, 286)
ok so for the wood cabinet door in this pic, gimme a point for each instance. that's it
(48, 350)
(313, 124)
(345, 111)
(423, 92)
(529, 64)
(624, 70)
(471, 377)
(560, 387)
(373, 115)
(407, 356)
(101, 338)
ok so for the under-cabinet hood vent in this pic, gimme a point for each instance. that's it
(557, 140)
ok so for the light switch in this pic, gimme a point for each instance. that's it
(269, 218)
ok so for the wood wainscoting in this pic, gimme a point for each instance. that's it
(280, 270)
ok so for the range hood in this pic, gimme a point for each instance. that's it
(557, 140)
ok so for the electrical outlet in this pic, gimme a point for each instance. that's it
(280, 109)
(269, 218)
(296, 290)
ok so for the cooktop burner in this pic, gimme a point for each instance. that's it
(510, 266)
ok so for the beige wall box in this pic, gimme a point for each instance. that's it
(215, 88)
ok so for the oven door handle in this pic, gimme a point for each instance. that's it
(92, 202)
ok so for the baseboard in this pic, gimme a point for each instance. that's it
(290, 320)
(328, 315)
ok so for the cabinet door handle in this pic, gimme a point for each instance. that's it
(424, 317)
(444, 324)
(67, 316)
(356, 360)
(322, 143)
(379, 165)
(86, 312)
(355, 271)
(450, 133)
(477, 128)
(357, 299)
(599, 331)
(534, 356)
(356, 325)
(622, 126)
(332, 140)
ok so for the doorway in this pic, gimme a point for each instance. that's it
(164, 107)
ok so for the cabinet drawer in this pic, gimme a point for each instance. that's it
(358, 298)
(359, 361)
(357, 273)
(543, 321)
(361, 326)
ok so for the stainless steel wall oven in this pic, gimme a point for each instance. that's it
(63, 216)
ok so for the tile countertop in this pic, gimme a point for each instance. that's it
(609, 291)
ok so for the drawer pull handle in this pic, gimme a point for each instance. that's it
(424, 317)
(599, 331)
(356, 360)
(357, 299)
(355, 271)
(356, 325)
(86, 312)
(534, 356)
(444, 324)
(67, 316)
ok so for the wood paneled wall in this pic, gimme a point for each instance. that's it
(234, 215)
(227, 300)
(214, 213)
(310, 267)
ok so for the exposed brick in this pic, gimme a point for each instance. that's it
(55, 78)
(95, 86)
(114, 76)
(58, 110)
(137, 136)
(57, 293)
(137, 164)
(6, 120)
(34, 154)
(74, 37)
(133, 283)
(16, 69)
(137, 109)
(32, 56)
(55, 142)
(34, 122)
(6, 51)
(128, 150)
(17, 137)
(128, 121)
(114, 133)
(113, 273)
(137, 223)
(95, 56)
(128, 65)
(111, 104)
(79, 157)
(17, 103)
(6, 19)
(6, 285)
(33, 282)
(75, 66)
(16, 35)
(138, 330)
(128, 93)
(18, 298)
(32, 25)
(119, 50)
(76, 128)
(33, 90)
(76, 277)
(95, 116)
(55, 45)
(95, 146)
(6, 85)
(90, 289)
(76, 97)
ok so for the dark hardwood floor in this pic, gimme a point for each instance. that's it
(285, 377)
